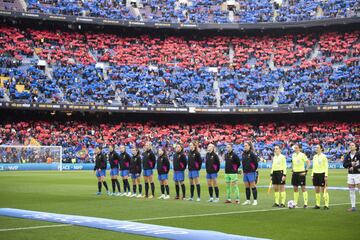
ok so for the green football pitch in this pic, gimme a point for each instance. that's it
(73, 193)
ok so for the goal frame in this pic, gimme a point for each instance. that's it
(32, 146)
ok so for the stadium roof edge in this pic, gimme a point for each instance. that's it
(180, 26)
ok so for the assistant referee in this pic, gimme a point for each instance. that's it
(278, 177)
(299, 160)
(320, 176)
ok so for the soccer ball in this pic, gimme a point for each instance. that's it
(291, 204)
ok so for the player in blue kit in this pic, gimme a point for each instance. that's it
(249, 162)
(100, 169)
(179, 164)
(149, 161)
(212, 163)
(194, 166)
(163, 167)
(124, 170)
(114, 160)
(135, 171)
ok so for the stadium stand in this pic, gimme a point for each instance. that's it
(332, 134)
(89, 67)
(201, 11)
(92, 8)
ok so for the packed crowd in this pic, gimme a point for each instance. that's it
(321, 85)
(145, 70)
(303, 10)
(202, 11)
(163, 86)
(63, 48)
(70, 135)
(92, 8)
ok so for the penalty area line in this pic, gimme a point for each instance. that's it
(34, 227)
(220, 213)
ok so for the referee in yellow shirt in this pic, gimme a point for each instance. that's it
(278, 177)
(319, 176)
(299, 160)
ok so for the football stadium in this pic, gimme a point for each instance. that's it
(179, 119)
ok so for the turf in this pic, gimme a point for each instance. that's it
(73, 192)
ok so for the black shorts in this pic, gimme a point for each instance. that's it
(298, 179)
(319, 179)
(277, 178)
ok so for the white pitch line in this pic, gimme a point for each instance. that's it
(220, 213)
(34, 227)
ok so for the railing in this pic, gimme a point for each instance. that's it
(262, 109)
(199, 26)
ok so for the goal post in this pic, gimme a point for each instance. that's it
(31, 157)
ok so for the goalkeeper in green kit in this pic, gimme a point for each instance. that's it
(232, 164)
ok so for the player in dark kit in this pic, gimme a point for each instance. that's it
(149, 161)
(194, 162)
(135, 171)
(100, 169)
(114, 170)
(212, 163)
(179, 164)
(124, 170)
(352, 163)
(249, 164)
(163, 167)
(232, 164)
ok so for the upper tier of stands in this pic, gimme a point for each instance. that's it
(102, 68)
(200, 11)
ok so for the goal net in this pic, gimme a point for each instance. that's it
(31, 157)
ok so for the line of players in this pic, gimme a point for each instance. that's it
(145, 163)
